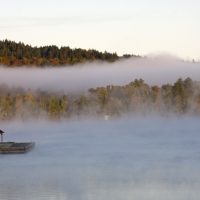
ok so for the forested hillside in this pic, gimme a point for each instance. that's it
(137, 97)
(19, 54)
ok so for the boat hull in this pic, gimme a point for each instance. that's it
(13, 147)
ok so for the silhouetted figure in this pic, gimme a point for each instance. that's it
(1, 132)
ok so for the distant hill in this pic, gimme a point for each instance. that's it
(20, 54)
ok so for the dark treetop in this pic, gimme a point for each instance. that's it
(19, 54)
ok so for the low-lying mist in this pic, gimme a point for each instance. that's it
(79, 78)
(123, 159)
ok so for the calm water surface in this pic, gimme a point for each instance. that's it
(124, 159)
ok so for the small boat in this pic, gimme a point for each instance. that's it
(14, 147)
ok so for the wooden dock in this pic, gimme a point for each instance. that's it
(14, 148)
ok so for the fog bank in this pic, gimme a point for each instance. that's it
(154, 70)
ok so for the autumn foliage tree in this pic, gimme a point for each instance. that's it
(19, 54)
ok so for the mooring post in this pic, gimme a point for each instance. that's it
(1, 137)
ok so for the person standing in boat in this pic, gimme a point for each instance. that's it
(1, 133)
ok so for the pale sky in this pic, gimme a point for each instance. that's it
(122, 26)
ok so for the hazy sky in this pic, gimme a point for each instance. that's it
(124, 26)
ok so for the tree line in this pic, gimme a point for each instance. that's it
(19, 54)
(137, 97)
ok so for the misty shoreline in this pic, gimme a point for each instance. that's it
(157, 85)
(136, 98)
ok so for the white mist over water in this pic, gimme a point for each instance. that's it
(121, 159)
(79, 78)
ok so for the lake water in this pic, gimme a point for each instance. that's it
(122, 159)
